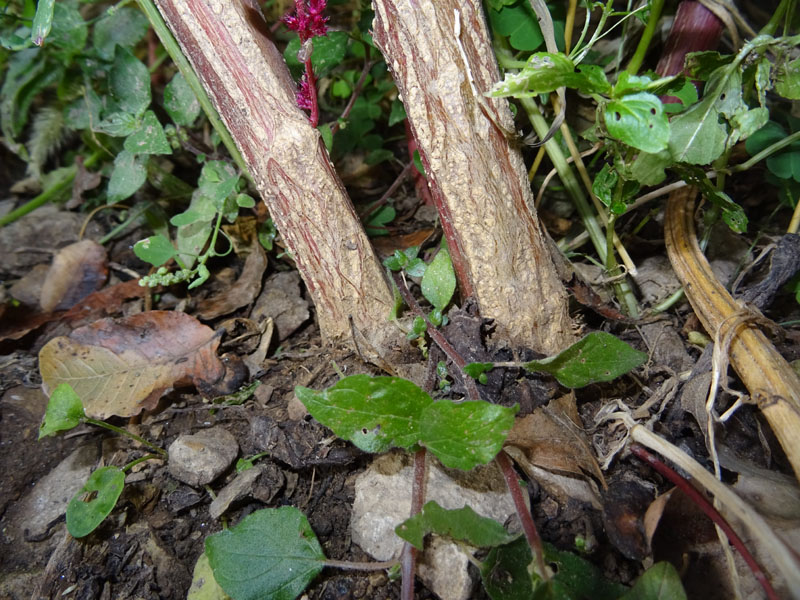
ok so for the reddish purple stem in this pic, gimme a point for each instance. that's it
(528, 526)
(712, 513)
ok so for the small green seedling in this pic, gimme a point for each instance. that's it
(98, 496)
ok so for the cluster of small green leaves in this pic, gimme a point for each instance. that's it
(437, 283)
(92, 82)
(640, 138)
(97, 498)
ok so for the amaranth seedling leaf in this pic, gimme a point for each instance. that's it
(64, 411)
(375, 413)
(96, 499)
(461, 524)
(272, 553)
(597, 357)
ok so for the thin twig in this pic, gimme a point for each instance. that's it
(367, 212)
(436, 336)
(528, 526)
(353, 97)
(408, 558)
(711, 512)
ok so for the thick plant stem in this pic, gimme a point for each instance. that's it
(656, 6)
(177, 56)
(622, 288)
(247, 79)
(443, 63)
(50, 193)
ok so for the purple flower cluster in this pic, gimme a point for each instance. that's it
(308, 20)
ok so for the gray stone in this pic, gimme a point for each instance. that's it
(200, 458)
(48, 499)
(235, 490)
(383, 501)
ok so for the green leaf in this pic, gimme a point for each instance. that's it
(96, 499)
(397, 112)
(648, 169)
(117, 124)
(124, 26)
(416, 267)
(64, 411)
(466, 434)
(732, 213)
(129, 174)
(639, 121)
(84, 112)
(328, 52)
(42, 21)
(697, 137)
(418, 164)
(69, 30)
(180, 102)
(156, 250)
(245, 201)
(378, 220)
(375, 413)
(519, 24)
(475, 370)
(787, 80)
(271, 553)
(327, 135)
(599, 356)
(149, 138)
(604, 184)
(462, 524)
(129, 82)
(217, 181)
(659, 582)
(26, 75)
(439, 282)
(506, 575)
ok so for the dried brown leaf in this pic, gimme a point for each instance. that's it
(122, 366)
(77, 270)
(241, 293)
(552, 438)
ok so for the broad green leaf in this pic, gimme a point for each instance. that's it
(519, 24)
(149, 138)
(648, 169)
(639, 121)
(245, 201)
(769, 134)
(746, 123)
(787, 80)
(439, 282)
(466, 434)
(462, 524)
(327, 135)
(129, 174)
(416, 267)
(217, 181)
(328, 52)
(544, 72)
(69, 30)
(378, 156)
(604, 184)
(696, 136)
(271, 554)
(506, 575)
(180, 102)
(659, 582)
(129, 82)
(156, 250)
(398, 112)
(190, 216)
(375, 413)
(117, 124)
(43, 21)
(599, 356)
(124, 26)
(93, 503)
(84, 112)
(64, 411)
